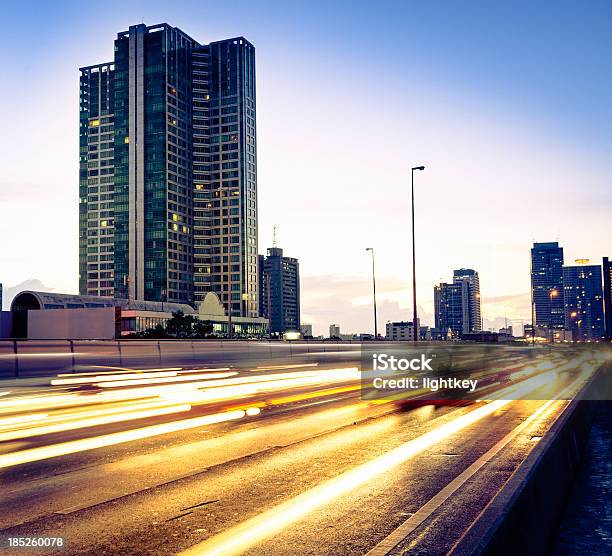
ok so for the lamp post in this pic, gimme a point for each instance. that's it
(371, 249)
(414, 296)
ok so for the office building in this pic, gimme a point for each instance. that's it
(168, 171)
(607, 296)
(472, 316)
(279, 301)
(334, 331)
(457, 305)
(547, 284)
(401, 331)
(450, 306)
(583, 301)
(306, 330)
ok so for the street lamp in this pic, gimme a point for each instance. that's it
(552, 293)
(371, 249)
(414, 298)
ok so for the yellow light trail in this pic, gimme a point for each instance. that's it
(78, 422)
(245, 535)
(109, 377)
(164, 380)
(75, 446)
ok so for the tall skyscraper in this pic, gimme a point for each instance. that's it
(583, 300)
(280, 291)
(607, 296)
(457, 305)
(547, 284)
(472, 314)
(168, 171)
(450, 304)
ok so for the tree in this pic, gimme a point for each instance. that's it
(203, 329)
(181, 325)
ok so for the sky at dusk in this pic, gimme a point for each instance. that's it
(507, 104)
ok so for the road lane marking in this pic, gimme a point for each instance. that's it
(243, 536)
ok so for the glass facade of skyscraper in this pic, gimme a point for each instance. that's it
(583, 300)
(96, 180)
(547, 284)
(607, 296)
(176, 122)
(280, 291)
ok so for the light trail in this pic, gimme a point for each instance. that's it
(109, 377)
(76, 446)
(78, 422)
(164, 380)
(244, 536)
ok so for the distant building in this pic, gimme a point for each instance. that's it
(472, 311)
(583, 301)
(486, 337)
(547, 284)
(1, 299)
(334, 331)
(402, 331)
(450, 305)
(457, 305)
(306, 330)
(279, 294)
(607, 296)
(506, 330)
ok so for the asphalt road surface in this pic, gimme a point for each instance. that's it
(277, 459)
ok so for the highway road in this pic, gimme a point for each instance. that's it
(282, 458)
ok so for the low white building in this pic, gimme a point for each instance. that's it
(402, 331)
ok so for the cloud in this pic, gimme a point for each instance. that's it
(347, 301)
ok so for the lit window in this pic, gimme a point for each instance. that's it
(175, 217)
(199, 186)
(94, 123)
(104, 223)
(175, 227)
(126, 140)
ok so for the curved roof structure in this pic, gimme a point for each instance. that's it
(32, 300)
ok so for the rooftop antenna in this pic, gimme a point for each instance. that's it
(274, 236)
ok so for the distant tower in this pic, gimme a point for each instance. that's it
(607, 295)
(472, 317)
(279, 295)
(583, 301)
(547, 284)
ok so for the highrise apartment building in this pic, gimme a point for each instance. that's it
(168, 171)
(547, 284)
(457, 305)
(280, 291)
(583, 301)
(472, 313)
(607, 296)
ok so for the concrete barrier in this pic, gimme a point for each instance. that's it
(524, 516)
(28, 358)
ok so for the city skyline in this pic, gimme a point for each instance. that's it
(530, 168)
